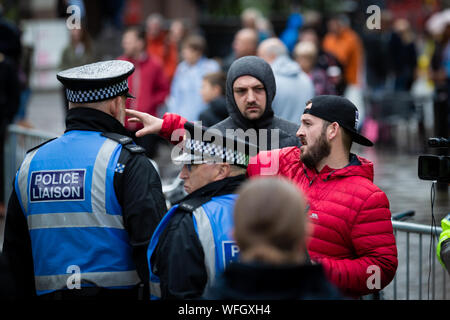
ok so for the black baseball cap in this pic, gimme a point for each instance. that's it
(341, 110)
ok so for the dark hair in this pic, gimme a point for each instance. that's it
(216, 79)
(139, 31)
(195, 42)
(346, 137)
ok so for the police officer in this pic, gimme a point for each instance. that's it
(85, 205)
(443, 247)
(193, 242)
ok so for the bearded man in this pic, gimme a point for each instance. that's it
(353, 236)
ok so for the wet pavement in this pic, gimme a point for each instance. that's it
(395, 173)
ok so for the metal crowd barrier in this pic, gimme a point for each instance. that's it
(18, 141)
(419, 274)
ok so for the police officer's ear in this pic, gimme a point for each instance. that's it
(224, 170)
(117, 108)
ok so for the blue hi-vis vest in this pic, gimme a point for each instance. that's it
(66, 191)
(213, 222)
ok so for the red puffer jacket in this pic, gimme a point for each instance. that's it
(353, 237)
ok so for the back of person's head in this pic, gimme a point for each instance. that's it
(245, 42)
(305, 53)
(154, 24)
(270, 221)
(249, 17)
(338, 22)
(305, 48)
(272, 48)
(309, 33)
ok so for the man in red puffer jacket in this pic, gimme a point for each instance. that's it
(353, 236)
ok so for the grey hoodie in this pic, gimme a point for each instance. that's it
(286, 130)
(295, 88)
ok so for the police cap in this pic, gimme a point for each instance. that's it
(96, 81)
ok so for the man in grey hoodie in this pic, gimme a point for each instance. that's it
(295, 87)
(250, 90)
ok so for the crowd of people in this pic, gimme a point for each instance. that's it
(316, 55)
(277, 206)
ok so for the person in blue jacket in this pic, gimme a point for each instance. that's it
(84, 205)
(289, 36)
(193, 243)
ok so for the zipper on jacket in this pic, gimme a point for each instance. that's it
(328, 176)
(310, 180)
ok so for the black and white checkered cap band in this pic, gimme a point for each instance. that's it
(82, 96)
(214, 151)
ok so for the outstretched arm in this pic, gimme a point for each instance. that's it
(151, 123)
(165, 127)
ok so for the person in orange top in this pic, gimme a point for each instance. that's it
(160, 46)
(346, 45)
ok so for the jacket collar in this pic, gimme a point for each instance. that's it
(217, 188)
(357, 166)
(88, 119)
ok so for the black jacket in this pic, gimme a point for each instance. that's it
(257, 281)
(178, 259)
(138, 190)
(216, 112)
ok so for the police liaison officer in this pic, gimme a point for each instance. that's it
(193, 243)
(84, 205)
